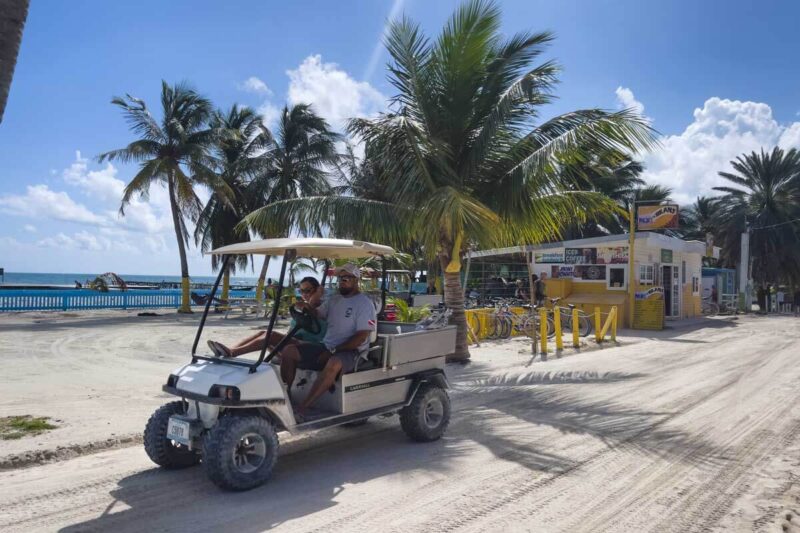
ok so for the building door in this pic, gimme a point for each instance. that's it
(670, 279)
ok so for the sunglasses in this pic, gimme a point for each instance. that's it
(307, 291)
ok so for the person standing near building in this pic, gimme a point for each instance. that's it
(779, 296)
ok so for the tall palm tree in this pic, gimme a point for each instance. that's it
(241, 154)
(698, 220)
(173, 152)
(13, 14)
(764, 198)
(301, 156)
(466, 162)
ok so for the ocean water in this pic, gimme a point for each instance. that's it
(40, 278)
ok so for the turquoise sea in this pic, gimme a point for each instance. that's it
(69, 279)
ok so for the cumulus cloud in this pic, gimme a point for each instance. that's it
(41, 202)
(626, 100)
(79, 241)
(270, 113)
(333, 93)
(30, 228)
(722, 129)
(255, 85)
(102, 184)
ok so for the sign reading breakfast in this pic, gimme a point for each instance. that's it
(649, 217)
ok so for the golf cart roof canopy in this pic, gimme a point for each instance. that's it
(314, 247)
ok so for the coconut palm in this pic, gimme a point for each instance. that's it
(13, 14)
(698, 220)
(764, 197)
(464, 159)
(240, 154)
(173, 152)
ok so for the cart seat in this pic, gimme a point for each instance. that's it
(372, 358)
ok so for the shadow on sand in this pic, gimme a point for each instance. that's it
(511, 416)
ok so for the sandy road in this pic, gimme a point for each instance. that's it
(692, 430)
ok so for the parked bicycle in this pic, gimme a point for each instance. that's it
(709, 307)
(584, 322)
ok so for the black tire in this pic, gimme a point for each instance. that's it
(162, 451)
(225, 455)
(428, 415)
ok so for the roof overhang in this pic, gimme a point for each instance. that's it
(313, 247)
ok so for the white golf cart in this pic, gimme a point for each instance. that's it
(231, 409)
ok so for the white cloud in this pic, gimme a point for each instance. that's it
(254, 85)
(270, 113)
(79, 241)
(722, 130)
(41, 202)
(102, 184)
(625, 99)
(30, 228)
(333, 93)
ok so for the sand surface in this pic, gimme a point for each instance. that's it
(691, 429)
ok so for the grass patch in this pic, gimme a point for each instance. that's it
(16, 427)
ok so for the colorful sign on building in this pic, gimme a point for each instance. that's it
(580, 256)
(613, 255)
(650, 217)
(548, 257)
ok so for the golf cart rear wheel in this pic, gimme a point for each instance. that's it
(240, 452)
(162, 451)
(428, 415)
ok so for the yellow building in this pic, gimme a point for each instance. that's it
(593, 272)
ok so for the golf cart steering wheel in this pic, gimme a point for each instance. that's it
(305, 320)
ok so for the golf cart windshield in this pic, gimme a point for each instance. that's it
(290, 249)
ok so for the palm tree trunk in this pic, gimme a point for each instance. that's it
(226, 283)
(13, 14)
(261, 279)
(176, 221)
(454, 300)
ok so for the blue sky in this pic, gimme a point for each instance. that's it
(717, 78)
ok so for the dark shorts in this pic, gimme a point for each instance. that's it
(310, 357)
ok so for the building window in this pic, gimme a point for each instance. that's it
(646, 274)
(695, 285)
(683, 272)
(617, 278)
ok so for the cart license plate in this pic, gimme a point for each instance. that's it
(179, 431)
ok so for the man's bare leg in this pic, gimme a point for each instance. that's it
(324, 381)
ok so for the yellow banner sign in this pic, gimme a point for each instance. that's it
(656, 217)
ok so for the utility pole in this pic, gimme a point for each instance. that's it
(631, 264)
(745, 286)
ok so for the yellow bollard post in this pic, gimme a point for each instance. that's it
(543, 328)
(575, 327)
(614, 325)
(597, 325)
(557, 324)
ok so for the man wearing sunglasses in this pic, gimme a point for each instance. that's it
(351, 318)
(311, 292)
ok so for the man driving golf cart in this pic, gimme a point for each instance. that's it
(311, 291)
(351, 321)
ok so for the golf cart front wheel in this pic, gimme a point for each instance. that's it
(428, 415)
(240, 452)
(161, 450)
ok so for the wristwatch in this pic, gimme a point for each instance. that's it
(333, 350)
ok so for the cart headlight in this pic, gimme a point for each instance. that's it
(225, 392)
(172, 380)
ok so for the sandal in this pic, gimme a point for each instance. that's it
(219, 349)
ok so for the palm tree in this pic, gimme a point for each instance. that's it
(173, 152)
(240, 156)
(465, 161)
(698, 220)
(13, 14)
(764, 198)
(297, 164)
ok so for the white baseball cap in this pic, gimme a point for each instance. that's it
(350, 269)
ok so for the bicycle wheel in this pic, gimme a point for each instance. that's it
(585, 326)
(507, 326)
